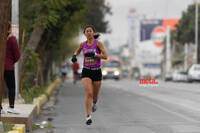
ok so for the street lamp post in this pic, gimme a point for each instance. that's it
(196, 31)
(15, 31)
(168, 50)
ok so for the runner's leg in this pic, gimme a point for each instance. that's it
(96, 88)
(87, 83)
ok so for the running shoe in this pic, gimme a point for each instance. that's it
(94, 107)
(13, 111)
(89, 120)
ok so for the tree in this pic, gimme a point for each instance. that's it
(5, 6)
(185, 32)
(97, 9)
(51, 26)
(44, 22)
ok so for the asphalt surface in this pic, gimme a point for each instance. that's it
(127, 107)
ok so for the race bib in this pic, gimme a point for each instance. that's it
(90, 61)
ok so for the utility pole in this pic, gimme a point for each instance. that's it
(168, 51)
(196, 31)
(5, 6)
(15, 31)
(186, 57)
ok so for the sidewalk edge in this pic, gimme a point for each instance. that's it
(39, 101)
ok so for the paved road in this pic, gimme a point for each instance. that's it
(126, 107)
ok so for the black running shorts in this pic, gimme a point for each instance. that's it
(94, 75)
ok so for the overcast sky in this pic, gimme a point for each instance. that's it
(118, 22)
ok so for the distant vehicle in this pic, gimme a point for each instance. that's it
(125, 73)
(194, 73)
(168, 76)
(180, 76)
(111, 68)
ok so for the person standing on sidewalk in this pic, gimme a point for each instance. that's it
(93, 51)
(75, 67)
(12, 56)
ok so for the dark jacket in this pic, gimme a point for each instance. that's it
(12, 53)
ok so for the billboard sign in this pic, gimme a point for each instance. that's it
(155, 29)
(147, 27)
(158, 36)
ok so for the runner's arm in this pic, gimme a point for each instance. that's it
(103, 54)
(78, 50)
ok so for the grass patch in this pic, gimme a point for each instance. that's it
(7, 127)
(30, 93)
(36, 127)
(49, 125)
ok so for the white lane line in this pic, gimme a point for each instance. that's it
(174, 100)
(188, 104)
(170, 111)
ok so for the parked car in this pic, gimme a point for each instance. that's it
(168, 76)
(180, 76)
(194, 73)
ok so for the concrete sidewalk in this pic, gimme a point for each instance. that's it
(28, 112)
(26, 116)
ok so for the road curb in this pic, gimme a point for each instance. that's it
(39, 101)
(18, 128)
(14, 131)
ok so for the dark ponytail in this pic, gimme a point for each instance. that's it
(96, 35)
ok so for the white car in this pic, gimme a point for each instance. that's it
(168, 76)
(194, 73)
(179, 76)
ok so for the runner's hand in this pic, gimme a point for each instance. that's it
(74, 59)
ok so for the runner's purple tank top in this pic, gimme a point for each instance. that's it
(89, 61)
